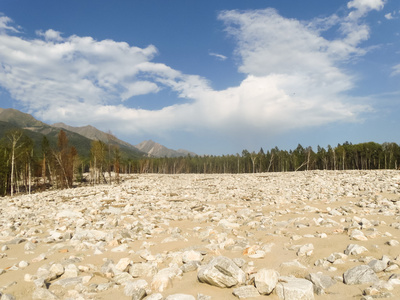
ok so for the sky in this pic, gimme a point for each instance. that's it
(212, 77)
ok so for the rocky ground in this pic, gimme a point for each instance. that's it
(300, 235)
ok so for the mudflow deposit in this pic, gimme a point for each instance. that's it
(300, 235)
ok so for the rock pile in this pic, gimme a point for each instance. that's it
(301, 235)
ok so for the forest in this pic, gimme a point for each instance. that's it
(25, 167)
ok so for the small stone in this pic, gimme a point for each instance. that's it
(305, 250)
(392, 243)
(131, 288)
(123, 264)
(29, 246)
(191, 255)
(203, 297)
(23, 264)
(57, 269)
(354, 249)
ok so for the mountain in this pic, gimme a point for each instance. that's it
(157, 150)
(19, 119)
(79, 137)
(36, 130)
(93, 133)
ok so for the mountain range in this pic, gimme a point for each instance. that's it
(80, 137)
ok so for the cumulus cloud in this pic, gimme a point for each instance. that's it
(50, 35)
(294, 77)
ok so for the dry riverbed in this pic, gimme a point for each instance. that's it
(299, 235)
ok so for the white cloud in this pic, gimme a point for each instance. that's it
(396, 70)
(50, 35)
(389, 16)
(219, 56)
(294, 78)
(4, 21)
(366, 5)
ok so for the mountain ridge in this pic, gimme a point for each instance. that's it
(158, 150)
(26, 121)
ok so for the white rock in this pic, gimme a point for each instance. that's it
(123, 264)
(265, 281)
(305, 250)
(354, 249)
(291, 288)
(221, 272)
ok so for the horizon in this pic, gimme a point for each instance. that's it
(211, 78)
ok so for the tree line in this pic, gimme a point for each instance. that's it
(24, 167)
(365, 156)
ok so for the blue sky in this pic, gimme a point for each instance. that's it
(213, 77)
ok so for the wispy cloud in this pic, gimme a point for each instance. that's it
(218, 56)
(396, 70)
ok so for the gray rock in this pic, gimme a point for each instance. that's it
(378, 265)
(67, 282)
(320, 282)
(190, 266)
(138, 294)
(291, 288)
(359, 275)
(221, 272)
(135, 288)
(248, 291)
(265, 281)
